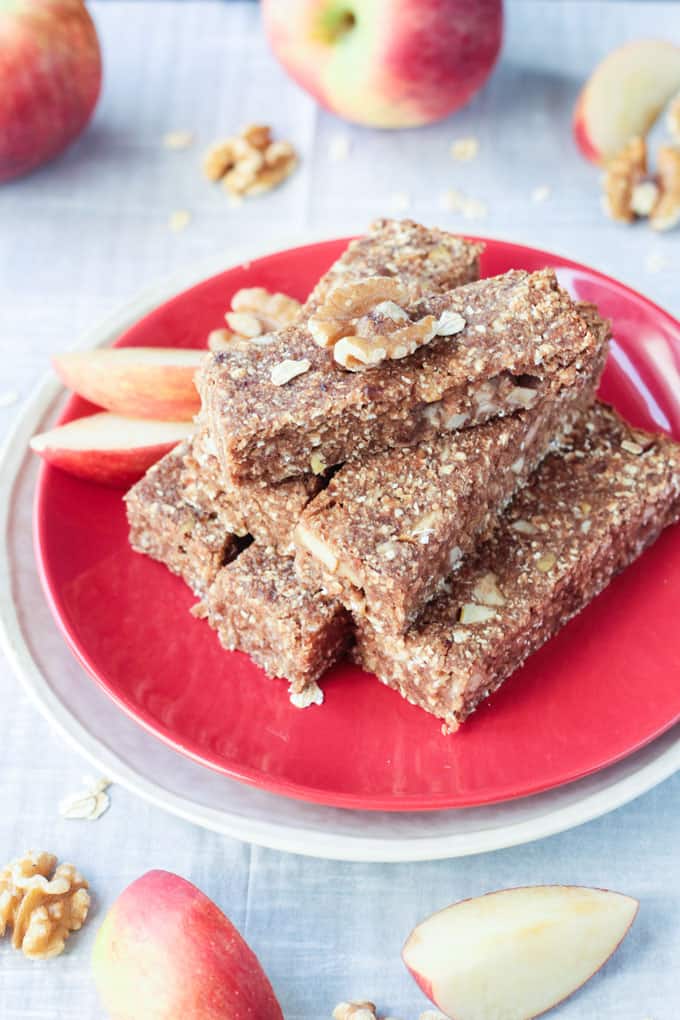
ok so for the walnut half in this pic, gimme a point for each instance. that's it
(365, 324)
(42, 903)
(255, 314)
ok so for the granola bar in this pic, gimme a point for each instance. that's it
(268, 512)
(189, 540)
(387, 531)
(587, 513)
(257, 605)
(426, 260)
(271, 415)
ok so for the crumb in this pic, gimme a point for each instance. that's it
(339, 148)
(400, 201)
(179, 220)
(540, 194)
(465, 149)
(456, 201)
(178, 139)
(89, 804)
(655, 262)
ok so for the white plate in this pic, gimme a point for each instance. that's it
(121, 749)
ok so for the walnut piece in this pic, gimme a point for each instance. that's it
(250, 163)
(42, 904)
(631, 192)
(624, 172)
(364, 322)
(255, 314)
(666, 212)
(354, 1011)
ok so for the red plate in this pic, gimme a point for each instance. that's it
(598, 691)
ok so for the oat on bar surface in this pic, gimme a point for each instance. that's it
(515, 326)
(257, 605)
(587, 513)
(268, 512)
(388, 530)
(190, 541)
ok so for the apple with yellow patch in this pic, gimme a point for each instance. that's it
(516, 953)
(142, 382)
(109, 448)
(624, 96)
(387, 63)
(167, 952)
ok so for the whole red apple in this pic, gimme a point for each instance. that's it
(50, 77)
(387, 63)
(166, 952)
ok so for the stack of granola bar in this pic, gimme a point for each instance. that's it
(414, 472)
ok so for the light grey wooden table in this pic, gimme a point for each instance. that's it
(85, 234)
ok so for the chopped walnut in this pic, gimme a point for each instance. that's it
(250, 163)
(364, 322)
(624, 172)
(354, 1011)
(487, 592)
(42, 904)
(666, 211)
(472, 613)
(256, 313)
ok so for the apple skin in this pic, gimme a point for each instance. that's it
(518, 952)
(50, 79)
(387, 63)
(108, 448)
(166, 952)
(141, 382)
(624, 96)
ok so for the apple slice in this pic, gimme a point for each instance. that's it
(108, 448)
(516, 953)
(143, 382)
(624, 96)
(167, 952)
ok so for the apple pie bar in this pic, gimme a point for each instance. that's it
(586, 514)
(397, 371)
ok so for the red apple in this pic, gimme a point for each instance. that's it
(108, 448)
(624, 96)
(387, 63)
(50, 77)
(166, 952)
(143, 382)
(516, 953)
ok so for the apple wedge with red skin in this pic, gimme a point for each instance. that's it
(167, 952)
(513, 954)
(142, 382)
(624, 96)
(109, 448)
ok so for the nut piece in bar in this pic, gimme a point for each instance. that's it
(190, 541)
(257, 605)
(268, 512)
(387, 531)
(587, 513)
(517, 325)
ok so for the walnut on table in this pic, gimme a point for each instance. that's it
(250, 163)
(365, 323)
(42, 903)
(255, 314)
(631, 192)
